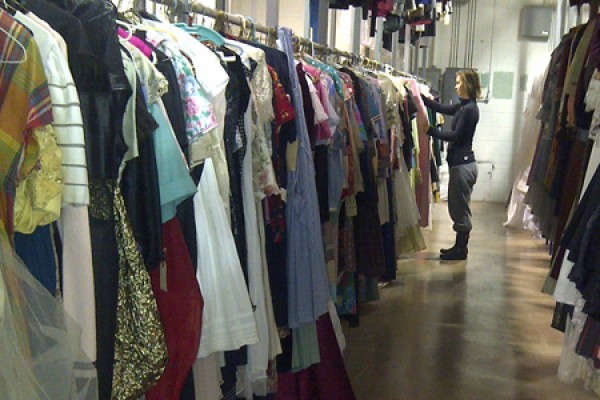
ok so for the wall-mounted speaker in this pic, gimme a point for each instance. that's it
(535, 23)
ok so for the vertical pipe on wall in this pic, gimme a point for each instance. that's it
(431, 47)
(425, 52)
(453, 40)
(561, 16)
(407, 35)
(468, 36)
(432, 52)
(476, 8)
(417, 56)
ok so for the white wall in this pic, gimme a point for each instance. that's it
(500, 119)
(293, 14)
(255, 9)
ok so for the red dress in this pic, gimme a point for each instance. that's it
(180, 308)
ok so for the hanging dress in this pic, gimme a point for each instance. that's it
(228, 321)
(39, 343)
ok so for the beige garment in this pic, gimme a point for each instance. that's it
(291, 154)
(207, 377)
(390, 97)
(129, 120)
(78, 275)
(261, 88)
(578, 60)
(39, 195)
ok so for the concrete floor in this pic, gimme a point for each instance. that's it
(463, 330)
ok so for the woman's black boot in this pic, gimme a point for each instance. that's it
(444, 251)
(460, 250)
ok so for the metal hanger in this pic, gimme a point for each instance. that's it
(11, 37)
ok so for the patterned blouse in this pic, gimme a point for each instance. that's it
(197, 110)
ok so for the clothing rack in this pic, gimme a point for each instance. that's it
(247, 23)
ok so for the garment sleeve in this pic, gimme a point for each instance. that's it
(448, 109)
(465, 123)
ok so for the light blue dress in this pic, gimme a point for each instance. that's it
(174, 179)
(308, 292)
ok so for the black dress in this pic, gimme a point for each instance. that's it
(103, 91)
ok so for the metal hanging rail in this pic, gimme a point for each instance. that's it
(244, 23)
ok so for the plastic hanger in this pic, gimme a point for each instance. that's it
(203, 33)
(225, 58)
(148, 25)
(11, 37)
(127, 28)
(12, 6)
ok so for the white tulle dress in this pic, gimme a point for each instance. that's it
(39, 343)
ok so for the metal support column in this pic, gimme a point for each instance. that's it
(356, 22)
(272, 13)
(417, 56)
(307, 19)
(407, 36)
(332, 28)
(395, 49)
(323, 22)
(378, 38)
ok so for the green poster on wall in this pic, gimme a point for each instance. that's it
(484, 79)
(503, 85)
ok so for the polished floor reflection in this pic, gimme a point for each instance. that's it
(463, 330)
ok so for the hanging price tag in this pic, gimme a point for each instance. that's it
(163, 274)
